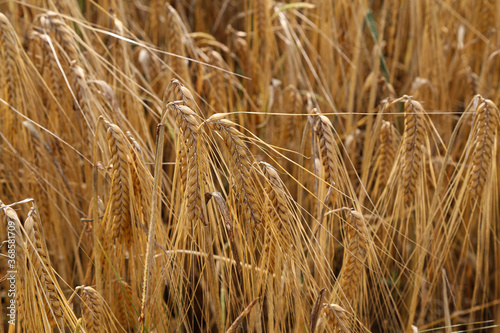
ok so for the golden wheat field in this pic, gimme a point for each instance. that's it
(249, 166)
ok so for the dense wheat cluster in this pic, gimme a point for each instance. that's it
(249, 166)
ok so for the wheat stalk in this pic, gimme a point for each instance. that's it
(237, 322)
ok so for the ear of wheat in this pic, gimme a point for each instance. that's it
(187, 122)
(486, 127)
(350, 275)
(119, 215)
(176, 44)
(328, 153)
(387, 153)
(21, 252)
(413, 139)
(245, 186)
(38, 256)
(93, 310)
(278, 227)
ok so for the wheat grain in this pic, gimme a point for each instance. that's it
(52, 68)
(83, 102)
(177, 93)
(260, 18)
(226, 217)
(352, 145)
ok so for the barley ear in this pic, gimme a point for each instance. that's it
(38, 256)
(485, 132)
(413, 139)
